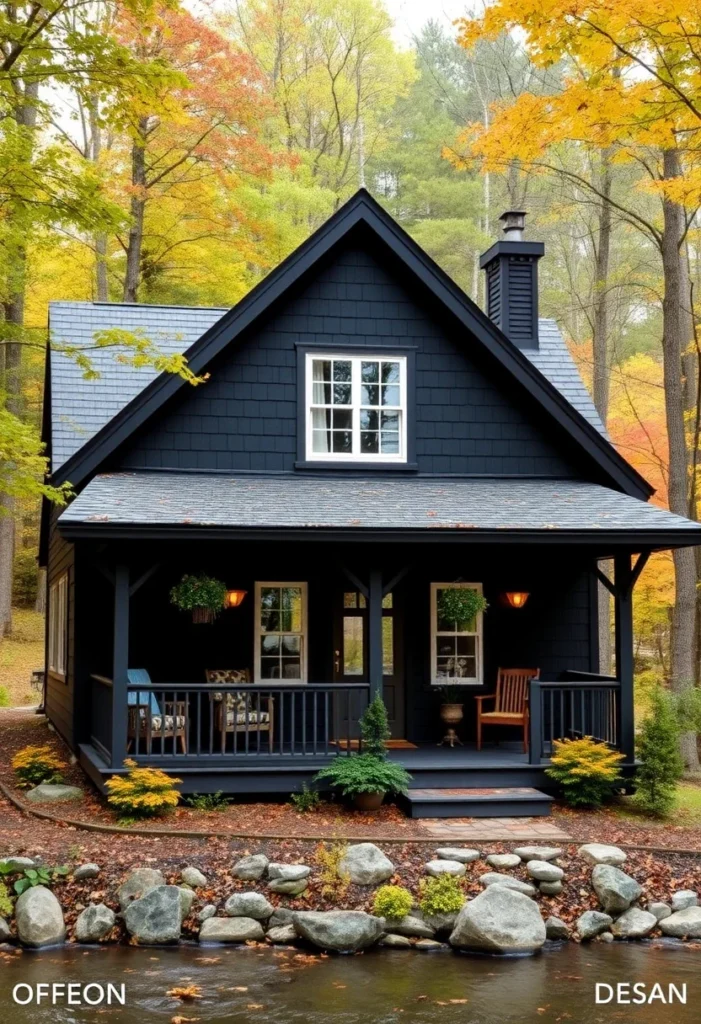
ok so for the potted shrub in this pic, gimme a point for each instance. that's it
(202, 595)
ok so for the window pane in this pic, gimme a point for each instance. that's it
(320, 441)
(270, 597)
(270, 644)
(321, 369)
(387, 601)
(291, 644)
(361, 601)
(390, 373)
(341, 394)
(270, 621)
(342, 419)
(444, 667)
(390, 394)
(390, 443)
(369, 443)
(353, 645)
(292, 603)
(466, 645)
(321, 419)
(369, 419)
(342, 441)
(369, 394)
(321, 394)
(350, 600)
(342, 370)
(387, 645)
(445, 645)
(370, 373)
(270, 668)
(291, 668)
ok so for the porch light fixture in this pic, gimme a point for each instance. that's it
(517, 598)
(235, 597)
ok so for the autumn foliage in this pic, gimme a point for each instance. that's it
(142, 792)
(36, 764)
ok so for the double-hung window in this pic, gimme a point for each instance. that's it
(58, 625)
(356, 408)
(456, 647)
(280, 635)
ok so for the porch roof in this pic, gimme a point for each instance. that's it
(496, 509)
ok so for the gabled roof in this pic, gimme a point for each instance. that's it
(361, 213)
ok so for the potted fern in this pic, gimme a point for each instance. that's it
(201, 595)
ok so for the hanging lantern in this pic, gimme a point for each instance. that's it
(235, 597)
(517, 598)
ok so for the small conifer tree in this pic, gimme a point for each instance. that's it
(658, 749)
(374, 728)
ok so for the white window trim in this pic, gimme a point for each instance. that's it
(355, 455)
(58, 626)
(443, 681)
(272, 683)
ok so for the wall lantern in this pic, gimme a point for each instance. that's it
(517, 598)
(235, 597)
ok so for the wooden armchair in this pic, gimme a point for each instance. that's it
(241, 711)
(510, 702)
(147, 721)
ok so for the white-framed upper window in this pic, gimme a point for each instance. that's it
(356, 408)
(456, 647)
(281, 632)
(58, 625)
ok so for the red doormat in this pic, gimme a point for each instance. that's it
(390, 744)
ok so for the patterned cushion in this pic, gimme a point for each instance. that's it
(253, 718)
(238, 702)
(171, 722)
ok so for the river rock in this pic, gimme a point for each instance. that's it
(194, 877)
(288, 888)
(550, 888)
(366, 864)
(660, 910)
(39, 918)
(683, 899)
(155, 919)
(428, 944)
(395, 941)
(288, 872)
(248, 904)
(343, 930)
(231, 929)
(280, 916)
(616, 890)
(685, 924)
(605, 937)
(95, 922)
(503, 860)
(187, 898)
(494, 878)
(592, 923)
(542, 871)
(444, 867)
(16, 863)
(634, 924)
(283, 935)
(5, 933)
(413, 927)
(556, 930)
(499, 920)
(462, 854)
(441, 923)
(209, 910)
(538, 852)
(54, 793)
(251, 868)
(599, 853)
(137, 883)
(85, 871)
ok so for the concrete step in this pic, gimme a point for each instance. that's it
(503, 802)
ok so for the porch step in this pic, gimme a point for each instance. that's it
(505, 802)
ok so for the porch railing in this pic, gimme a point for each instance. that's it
(581, 704)
(101, 715)
(217, 723)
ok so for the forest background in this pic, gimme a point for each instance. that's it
(167, 152)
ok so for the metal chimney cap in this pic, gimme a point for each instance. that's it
(513, 224)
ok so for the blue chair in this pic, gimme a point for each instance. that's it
(146, 718)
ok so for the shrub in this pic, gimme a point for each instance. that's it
(461, 604)
(440, 895)
(31, 877)
(658, 749)
(208, 801)
(364, 773)
(392, 901)
(586, 770)
(306, 801)
(4, 697)
(5, 901)
(199, 591)
(374, 728)
(334, 881)
(25, 578)
(142, 792)
(33, 765)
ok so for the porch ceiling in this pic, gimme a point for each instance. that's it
(498, 510)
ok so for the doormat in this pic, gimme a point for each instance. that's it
(390, 744)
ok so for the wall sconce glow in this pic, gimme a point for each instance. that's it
(235, 597)
(517, 598)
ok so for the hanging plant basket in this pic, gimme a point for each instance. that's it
(461, 604)
(201, 595)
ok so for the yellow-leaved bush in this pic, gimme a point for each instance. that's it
(142, 791)
(587, 771)
(35, 764)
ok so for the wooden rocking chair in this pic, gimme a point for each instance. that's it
(511, 702)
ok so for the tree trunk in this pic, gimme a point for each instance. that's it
(132, 276)
(674, 343)
(100, 240)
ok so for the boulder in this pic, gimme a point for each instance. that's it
(538, 852)
(137, 883)
(209, 910)
(605, 937)
(660, 910)
(85, 871)
(366, 864)
(54, 793)
(441, 923)
(16, 863)
(155, 919)
(616, 890)
(282, 935)
(444, 867)
(499, 920)
(685, 924)
(343, 930)
(543, 871)
(251, 868)
(39, 918)
(288, 888)
(599, 853)
(550, 888)
(494, 878)
(231, 929)
(503, 860)
(288, 872)
(463, 855)
(428, 944)
(5, 933)
(683, 899)
(187, 898)
(556, 930)
(592, 923)
(280, 916)
(194, 877)
(95, 922)
(634, 924)
(413, 927)
(395, 941)
(248, 904)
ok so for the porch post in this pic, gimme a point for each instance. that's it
(375, 632)
(624, 652)
(120, 665)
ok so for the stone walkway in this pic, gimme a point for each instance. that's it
(492, 829)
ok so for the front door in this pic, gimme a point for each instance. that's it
(350, 659)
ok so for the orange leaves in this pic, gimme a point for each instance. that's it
(185, 992)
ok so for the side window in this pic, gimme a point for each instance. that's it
(58, 625)
(456, 647)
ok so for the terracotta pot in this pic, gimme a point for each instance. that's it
(203, 615)
(368, 801)
(451, 714)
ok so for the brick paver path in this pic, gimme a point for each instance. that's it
(492, 829)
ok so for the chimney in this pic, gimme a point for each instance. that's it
(511, 266)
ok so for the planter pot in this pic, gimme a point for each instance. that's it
(203, 615)
(368, 801)
(452, 714)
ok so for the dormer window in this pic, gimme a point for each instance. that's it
(356, 408)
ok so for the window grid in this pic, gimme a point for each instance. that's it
(58, 622)
(456, 655)
(280, 632)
